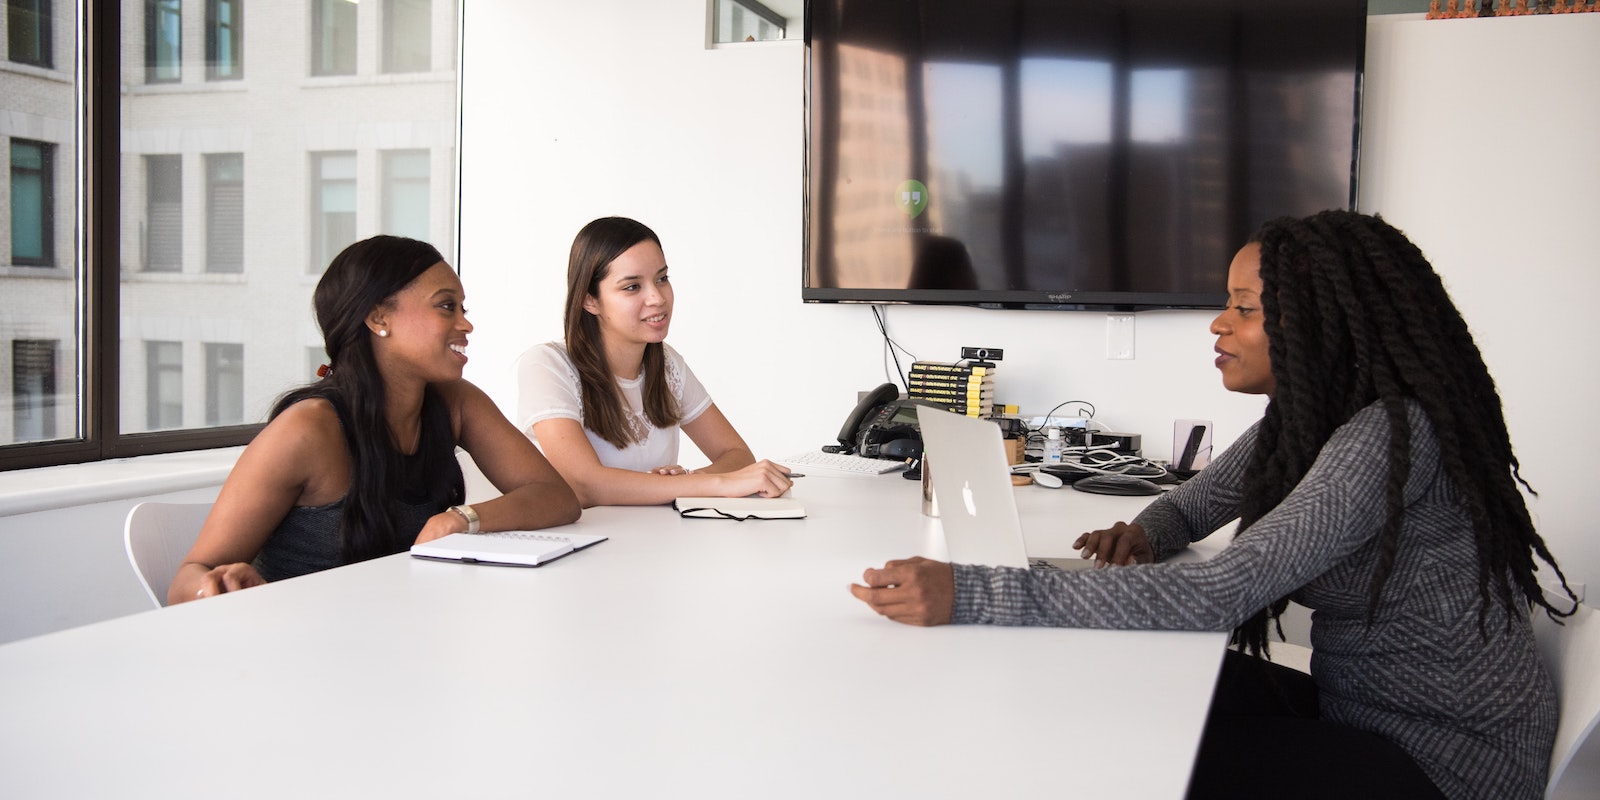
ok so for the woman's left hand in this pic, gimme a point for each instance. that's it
(440, 525)
(915, 591)
(670, 469)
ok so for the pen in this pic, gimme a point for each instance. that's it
(794, 475)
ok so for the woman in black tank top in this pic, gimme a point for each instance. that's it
(362, 463)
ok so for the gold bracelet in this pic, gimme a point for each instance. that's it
(469, 514)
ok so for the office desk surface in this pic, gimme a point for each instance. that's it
(704, 658)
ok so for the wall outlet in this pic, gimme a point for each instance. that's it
(1119, 337)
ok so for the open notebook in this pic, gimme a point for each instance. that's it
(505, 548)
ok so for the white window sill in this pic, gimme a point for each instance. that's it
(46, 488)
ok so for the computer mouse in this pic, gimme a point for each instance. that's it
(1116, 484)
(1047, 480)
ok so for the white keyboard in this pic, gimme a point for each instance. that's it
(859, 465)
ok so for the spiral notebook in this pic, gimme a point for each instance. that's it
(505, 548)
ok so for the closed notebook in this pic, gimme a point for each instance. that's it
(505, 548)
(739, 508)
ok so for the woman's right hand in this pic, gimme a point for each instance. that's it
(228, 578)
(762, 478)
(1119, 545)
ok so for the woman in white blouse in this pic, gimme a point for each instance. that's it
(606, 405)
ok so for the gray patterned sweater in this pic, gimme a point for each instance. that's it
(1475, 709)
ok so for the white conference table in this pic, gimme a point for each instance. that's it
(682, 658)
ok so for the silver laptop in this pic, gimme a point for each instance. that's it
(977, 505)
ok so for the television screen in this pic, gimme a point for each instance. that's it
(1052, 154)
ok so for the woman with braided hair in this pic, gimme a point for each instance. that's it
(1379, 489)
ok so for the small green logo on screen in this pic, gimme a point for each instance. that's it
(912, 198)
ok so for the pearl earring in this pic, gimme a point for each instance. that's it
(384, 333)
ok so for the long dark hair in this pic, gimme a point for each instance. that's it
(593, 249)
(363, 276)
(1355, 315)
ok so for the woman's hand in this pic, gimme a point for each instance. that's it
(762, 478)
(915, 591)
(228, 578)
(440, 525)
(1120, 545)
(670, 469)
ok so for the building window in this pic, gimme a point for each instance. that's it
(224, 40)
(120, 290)
(224, 212)
(405, 193)
(163, 41)
(28, 31)
(163, 193)
(333, 206)
(333, 37)
(407, 35)
(33, 389)
(163, 368)
(33, 199)
(224, 384)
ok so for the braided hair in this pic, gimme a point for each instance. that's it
(363, 276)
(1355, 315)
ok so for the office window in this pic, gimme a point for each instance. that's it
(28, 31)
(33, 389)
(163, 41)
(333, 206)
(224, 40)
(163, 368)
(405, 193)
(224, 383)
(224, 212)
(161, 255)
(163, 213)
(746, 21)
(33, 200)
(333, 37)
(407, 35)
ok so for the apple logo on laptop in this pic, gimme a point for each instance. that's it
(966, 496)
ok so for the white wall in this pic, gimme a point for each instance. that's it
(634, 116)
(1479, 142)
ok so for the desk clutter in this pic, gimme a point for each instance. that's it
(965, 387)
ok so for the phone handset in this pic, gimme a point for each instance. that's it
(885, 393)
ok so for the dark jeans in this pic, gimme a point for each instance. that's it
(1264, 738)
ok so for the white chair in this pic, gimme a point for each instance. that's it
(157, 537)
(1571, 653)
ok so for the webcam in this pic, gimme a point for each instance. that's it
(983, 353)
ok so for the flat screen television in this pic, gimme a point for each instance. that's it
(1067, 155)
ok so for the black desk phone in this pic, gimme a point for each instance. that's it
(882, 425)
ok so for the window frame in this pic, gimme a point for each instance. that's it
(96, 261)
(99, 360)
